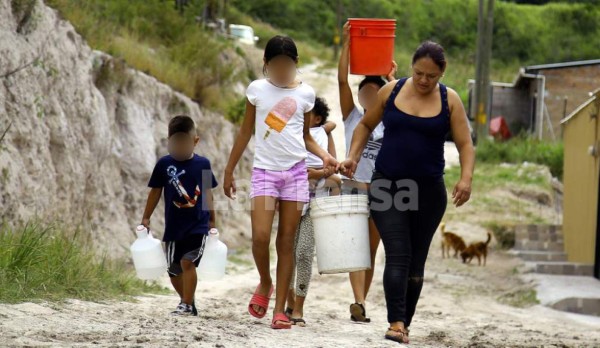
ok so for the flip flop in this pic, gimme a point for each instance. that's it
(284, 322)
(261, 301)
(298, 321)
(358, 313)
(397, 338)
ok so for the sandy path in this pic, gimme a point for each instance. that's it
(459, 306)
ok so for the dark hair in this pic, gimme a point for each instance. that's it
(378, 80)
(321, 109)
(433, 50)
(280, 46)
(181, 124)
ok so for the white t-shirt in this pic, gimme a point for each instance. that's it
(279, 127)
(320, 136)
(366, 166)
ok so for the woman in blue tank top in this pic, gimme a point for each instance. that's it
(408, 195)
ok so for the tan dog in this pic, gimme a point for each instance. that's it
(451, 240)
(478, 250)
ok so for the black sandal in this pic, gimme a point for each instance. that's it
(358, 313)
(289, 311)
(401, 338)
(298, 321)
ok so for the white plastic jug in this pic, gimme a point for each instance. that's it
(214, 260)
(341, 233)
(148, 255)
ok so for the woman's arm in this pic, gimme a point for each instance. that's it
(240, 144)
(366, 126)
(462, 138)
(346, 98)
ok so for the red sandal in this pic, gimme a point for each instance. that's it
(281, 321)
(261, 301)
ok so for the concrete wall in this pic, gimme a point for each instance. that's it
(581, 172)
(515, 105)
(568, 87)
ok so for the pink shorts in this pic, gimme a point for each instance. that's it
(286, 185)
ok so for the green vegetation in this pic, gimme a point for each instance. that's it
(523, 34)
(522, 149)
(151, 36)
(530, 34)
(46, 262)
(505, 234)
(520, 298)
(504, 195)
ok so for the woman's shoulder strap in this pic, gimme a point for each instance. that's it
(444, 95)
(396, 90)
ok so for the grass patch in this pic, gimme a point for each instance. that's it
(521, 298)
(489, 176)
(504, 234)
(523, 149)
(508, 193)
(45, 262)
(153, 37)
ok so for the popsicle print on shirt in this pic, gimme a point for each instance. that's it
(279, 116)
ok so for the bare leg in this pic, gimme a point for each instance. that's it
(291, 299)
(299, 307)
(374, 244)
(263, 211)
(357, 281)
(289, 218)
(190, 280)
(178, 284)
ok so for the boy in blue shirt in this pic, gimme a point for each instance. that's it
(187, 180)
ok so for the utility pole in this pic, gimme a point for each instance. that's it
(337, 34)
(485, 27)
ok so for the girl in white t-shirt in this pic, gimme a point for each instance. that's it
(278, 111)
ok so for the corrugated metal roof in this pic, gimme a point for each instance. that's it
(533, 68)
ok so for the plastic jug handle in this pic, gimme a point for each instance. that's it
(148, 233)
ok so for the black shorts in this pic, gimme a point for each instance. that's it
(191, 248)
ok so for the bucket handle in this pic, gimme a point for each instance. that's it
(363, 31)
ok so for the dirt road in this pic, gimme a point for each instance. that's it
(461, 305)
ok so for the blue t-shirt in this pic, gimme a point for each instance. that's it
(184, 182)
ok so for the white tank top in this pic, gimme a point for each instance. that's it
(366, 165)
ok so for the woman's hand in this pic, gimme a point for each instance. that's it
(461, 192)
(229, 185)
(348, 167)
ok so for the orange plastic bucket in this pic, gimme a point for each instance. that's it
(371, 45)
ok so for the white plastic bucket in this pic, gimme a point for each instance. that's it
(341, 225)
